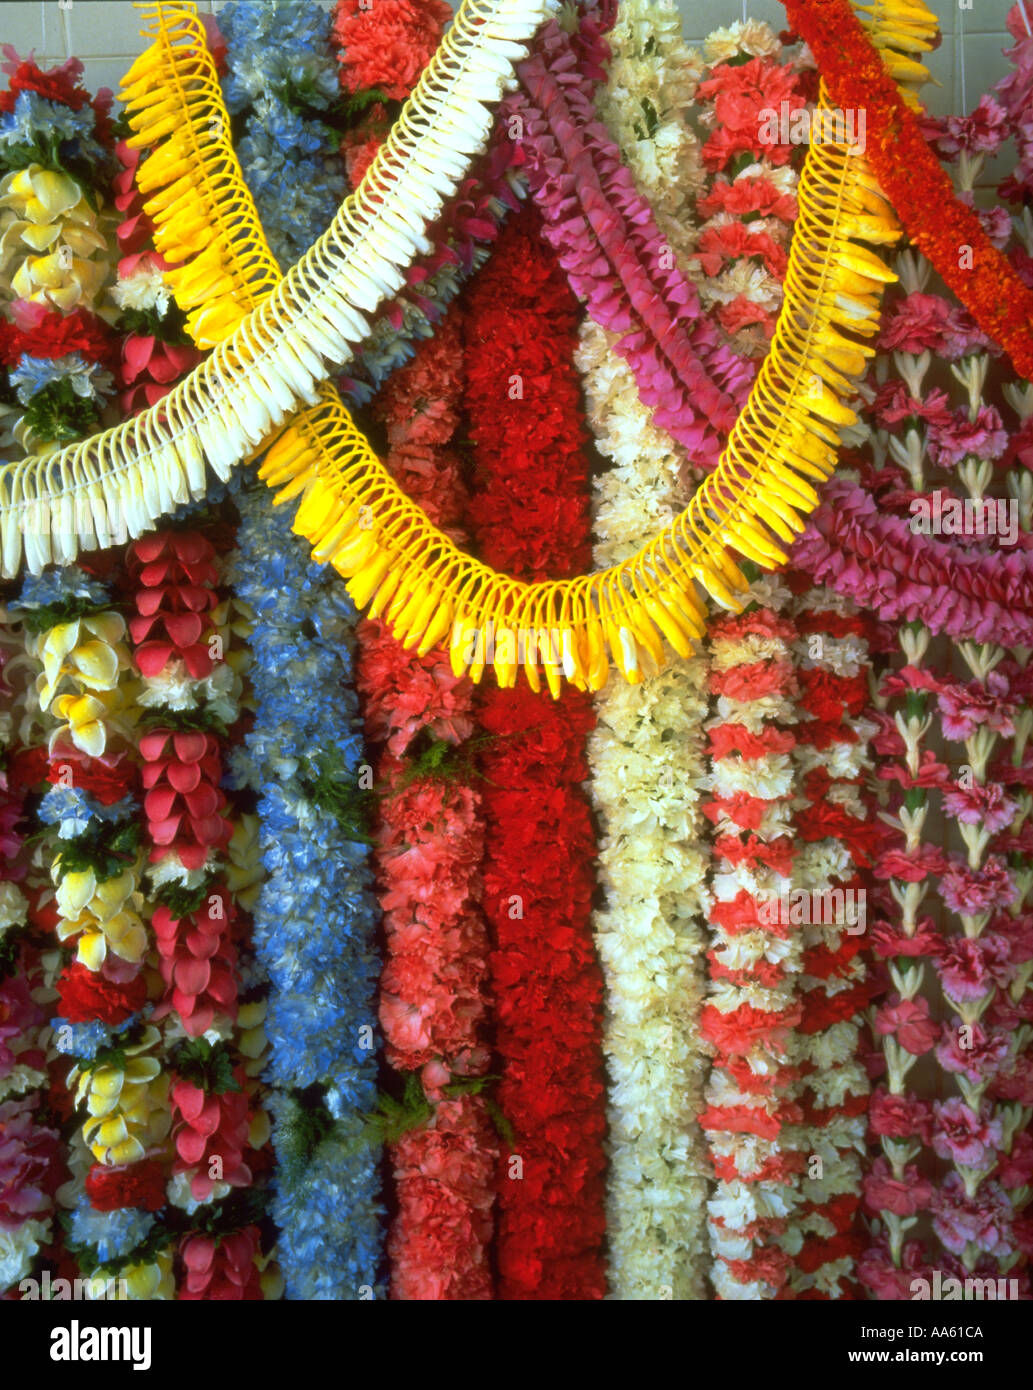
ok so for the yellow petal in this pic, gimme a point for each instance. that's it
(93, 950)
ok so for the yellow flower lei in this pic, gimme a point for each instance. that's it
(353, 512)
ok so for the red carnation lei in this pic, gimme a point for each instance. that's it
(531, 519)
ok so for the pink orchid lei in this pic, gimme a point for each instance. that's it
(612, 250)
(429, 847)
(756, 957)
(203, 868)
(971, 1213)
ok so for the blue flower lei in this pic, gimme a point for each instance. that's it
(315, 919)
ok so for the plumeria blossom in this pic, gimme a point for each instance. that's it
(46, 213)
(127, 1106)
(90, 652)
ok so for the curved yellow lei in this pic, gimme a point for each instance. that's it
(394, 559)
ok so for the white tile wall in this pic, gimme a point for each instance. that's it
(105, 35)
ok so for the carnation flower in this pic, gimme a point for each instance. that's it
(963, 1136)
(985, 804)
(87, 996)
(908, 1021)
(983, 131)
(971, 891)
(387, 48)
(984, 1220)
(902, 1196)
(139, 1185)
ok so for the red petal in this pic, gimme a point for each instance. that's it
(153, 657)
(163, 832)
(204, 801)
(192, 975)
(183, 628)
(152, 745)
(158, 803)
(149, 547)
(190, 745)
(185, 777)
(197, 661)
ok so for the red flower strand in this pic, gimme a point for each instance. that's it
(922, 193)
(530, 517)
(433, 1007)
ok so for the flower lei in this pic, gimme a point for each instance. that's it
(361, 555)
(56, 347)
(314, 919)
(317, 305)
(83, 690)
(694, 385)
(521, 400)
(645, 753)
(859, 79)
(430, 843)
(183, 639)
(321, 1059)
(755, 961)
(156, 352)
(749, 199)
(30, 1161)
(429, 837)
(833, 822)
(984, 972)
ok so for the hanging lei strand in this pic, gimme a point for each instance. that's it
(58, 347)
(190, 697)
(645, 753)
(429, 834)
(530, 517)
(85, 690)
(314, 921)
(280, 78)
(29, 1142)
(156, 350)
(1013, 1091)
(989, 1030)
(618, 263)
(749, 199)
(756, 953)
(834, 823)
(430, 845)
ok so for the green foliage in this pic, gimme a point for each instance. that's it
(37, 620)
(184, 902)
(303, 1125)
(104, 847)
(325, 781)
(208, 1065)
(393, 1118)
(116, 1057)
(428, 756)
(56, 154)
(191, 720)
(353, 104)
(56, 414)
(10, 947)
(170, 327)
